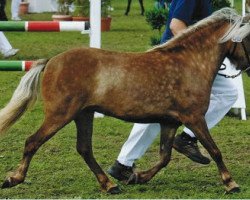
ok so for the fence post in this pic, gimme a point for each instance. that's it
(95, 23)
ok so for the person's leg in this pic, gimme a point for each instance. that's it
(4, 43)
(3, 16)
(5, 47)
(128, 7)
(15, 9)
(142, 7)
(140, 138)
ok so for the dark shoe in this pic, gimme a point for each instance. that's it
(187, 145)
(120, 172)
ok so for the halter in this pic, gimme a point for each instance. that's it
(231, 54)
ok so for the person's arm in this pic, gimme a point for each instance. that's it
(177, 26)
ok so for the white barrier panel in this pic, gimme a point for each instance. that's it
(95, 23)
(240, 104)
(95, 29)
(39, 6)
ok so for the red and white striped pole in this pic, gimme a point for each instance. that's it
(14, 65)
(44, 26)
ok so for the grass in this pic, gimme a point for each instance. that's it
(57, 171)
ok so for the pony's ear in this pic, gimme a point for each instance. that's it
(246, 19)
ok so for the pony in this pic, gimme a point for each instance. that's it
(144, 87)
(128, 7)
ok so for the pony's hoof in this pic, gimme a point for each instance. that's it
(232, 188)
(10, 182)
(133, 179)
(114, 190)
(6, 184)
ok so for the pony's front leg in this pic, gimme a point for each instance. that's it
(168, 132)
(84, 124)
(202, 133)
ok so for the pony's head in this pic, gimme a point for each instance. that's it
(238, 37)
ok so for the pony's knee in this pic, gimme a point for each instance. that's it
(216, 155)
(84, 151)
(165, 160)
(31, 145)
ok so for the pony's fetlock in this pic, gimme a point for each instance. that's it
(114, 190)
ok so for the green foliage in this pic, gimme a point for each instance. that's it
(218, 4)
(106, 5)
(63, 6)
(156, 18)
(155, 40)
(81, 8)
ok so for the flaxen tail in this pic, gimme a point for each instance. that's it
(24, 96)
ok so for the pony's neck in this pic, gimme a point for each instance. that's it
(202, 43)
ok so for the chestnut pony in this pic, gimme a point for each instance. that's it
(169, 84)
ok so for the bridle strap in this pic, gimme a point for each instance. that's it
(229, 76)
(234, 48)
(246, 54)
(231, 54)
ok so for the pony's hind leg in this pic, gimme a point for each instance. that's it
(49, 128)
(84, 124)
(202, 133)
(168, 132)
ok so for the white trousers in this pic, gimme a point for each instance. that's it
(4, 43)
(15, 8)
(223, 95)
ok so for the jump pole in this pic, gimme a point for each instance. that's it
(93, 28)
(94, 31)
(13, 65)
(44, 26)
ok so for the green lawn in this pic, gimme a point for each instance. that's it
(57, 171)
